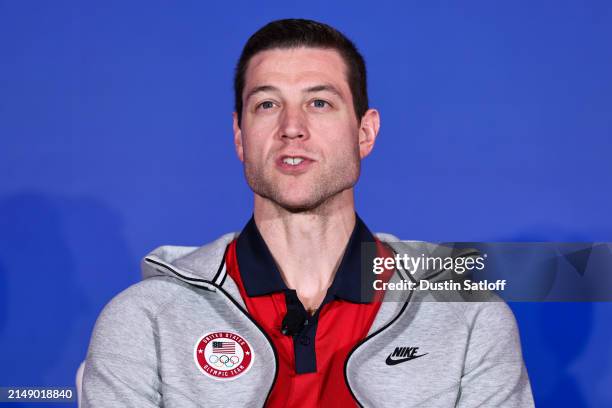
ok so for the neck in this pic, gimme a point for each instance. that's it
(307, 246)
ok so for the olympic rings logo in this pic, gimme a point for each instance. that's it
(223, 361)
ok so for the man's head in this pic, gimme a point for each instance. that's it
(302, 123)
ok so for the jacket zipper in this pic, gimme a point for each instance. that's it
(263, 332)
(362, 342)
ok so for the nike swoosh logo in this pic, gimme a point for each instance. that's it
(392, 361)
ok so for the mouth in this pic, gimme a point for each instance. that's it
(289, 164)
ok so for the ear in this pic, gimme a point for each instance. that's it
(238, 138)
(368, 130)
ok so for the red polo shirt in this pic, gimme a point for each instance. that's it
(311, 363)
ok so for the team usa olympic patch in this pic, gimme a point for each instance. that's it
(223, 355)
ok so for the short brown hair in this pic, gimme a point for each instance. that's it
(294, 33)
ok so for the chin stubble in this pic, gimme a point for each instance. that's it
(328, 186)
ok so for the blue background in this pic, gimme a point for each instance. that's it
(115, 137)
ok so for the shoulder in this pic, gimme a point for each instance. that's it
(147, 296)
(480, 310)
(493, 332)
(128, 320)
(491, 314)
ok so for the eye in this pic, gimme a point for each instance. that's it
(266, 105)
(320, 103)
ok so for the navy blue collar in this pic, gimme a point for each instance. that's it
(261, 276)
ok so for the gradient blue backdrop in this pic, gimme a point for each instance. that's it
(115, 137)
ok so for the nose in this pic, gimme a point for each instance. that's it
(293, 124)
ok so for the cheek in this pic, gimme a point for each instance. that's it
(339, 135)
(338, 125)
(256, 145)
(259, 131)
(260, 122)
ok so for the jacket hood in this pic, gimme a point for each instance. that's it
(204, 266)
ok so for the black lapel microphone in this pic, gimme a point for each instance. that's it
(296, 315)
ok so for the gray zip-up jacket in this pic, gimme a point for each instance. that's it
(142, 348)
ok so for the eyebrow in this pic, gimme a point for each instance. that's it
(325, 87)
(261, 88)
(312, 89)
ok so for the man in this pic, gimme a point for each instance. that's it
(279, 314)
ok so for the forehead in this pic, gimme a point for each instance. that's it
(296, 66)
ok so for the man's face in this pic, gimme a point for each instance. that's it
(299, 138)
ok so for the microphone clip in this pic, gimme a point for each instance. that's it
(296, 317)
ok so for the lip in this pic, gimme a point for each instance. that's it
(290, 169)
